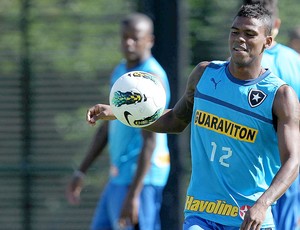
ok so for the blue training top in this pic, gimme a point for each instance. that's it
(233, 145)
(125, 143)
(284, 62)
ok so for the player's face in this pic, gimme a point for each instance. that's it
(247, 41)
(136, 42)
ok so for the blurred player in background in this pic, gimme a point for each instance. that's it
(139, 159)
(285, 63)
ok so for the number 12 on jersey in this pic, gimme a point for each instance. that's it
(226, 153)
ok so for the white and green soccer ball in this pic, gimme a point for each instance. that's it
(137, 99)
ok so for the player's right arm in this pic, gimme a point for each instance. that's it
(173, 120)
(177, 119)
(99, 112)
(75, 185)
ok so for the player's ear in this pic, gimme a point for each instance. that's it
(268, 42)
(151, 41)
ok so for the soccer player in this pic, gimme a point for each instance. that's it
(139, 159)
(285, 63)
(244, 132)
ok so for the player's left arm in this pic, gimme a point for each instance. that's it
(286, 109)
(129, 210)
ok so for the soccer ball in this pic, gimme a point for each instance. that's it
(137, 99)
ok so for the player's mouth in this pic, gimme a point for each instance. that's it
(239, 49)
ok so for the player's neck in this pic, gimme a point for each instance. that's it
(130, 64)
(243, 73)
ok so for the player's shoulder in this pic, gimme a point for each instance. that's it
(286, 100)
(151, 65)
(151, 62)
(285, 48)
(197, 72)
(202, 66)
(286, 91)
(118, 70)
(286, 52)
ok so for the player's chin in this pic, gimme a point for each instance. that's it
(239, 60)
(131, 56)
(238, 55)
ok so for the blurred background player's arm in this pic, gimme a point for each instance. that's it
(76, 183)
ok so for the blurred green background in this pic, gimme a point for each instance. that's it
(55, 60)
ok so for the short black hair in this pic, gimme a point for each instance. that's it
(270, 5)
(257, 11)
(135, 18)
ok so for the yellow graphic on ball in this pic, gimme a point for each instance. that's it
(126, 98)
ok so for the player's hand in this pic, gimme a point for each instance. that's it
(97, 112)
(73, 190)
(254, 217)
(129, 213)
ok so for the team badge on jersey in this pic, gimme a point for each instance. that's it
(256, 97)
